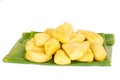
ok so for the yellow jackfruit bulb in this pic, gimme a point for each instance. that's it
(51, 46)
(49, 31)
(99, 52)
(88, 57)
(92, 36)
(63, 32)
(38, 57)
(77, 37)
(30, 45)
(27, 57)
(76, 51)
(61, 58)
(41, 38)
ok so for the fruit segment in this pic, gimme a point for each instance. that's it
(63, 32)
(41, 38)
(77, 37)
(51, 46)
(30, 45)
(61, 58)
(88, 57)
(92, 36)
(99, 52)
(38, 57)
(76, 51)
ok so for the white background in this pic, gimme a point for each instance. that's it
(18, 16)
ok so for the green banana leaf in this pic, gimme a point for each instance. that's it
(16, 55)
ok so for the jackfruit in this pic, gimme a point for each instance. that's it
(88, 57)
(63, 32)
(61, 58)
(38, 57)
(51, 46)
(30, 45)
(77, 37)
(76, 51)
(49, 31)
(41, 38)
(99, 52)
(92, 36)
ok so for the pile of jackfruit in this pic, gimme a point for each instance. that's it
(64, 46)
